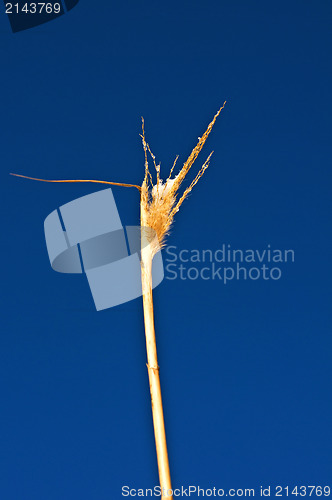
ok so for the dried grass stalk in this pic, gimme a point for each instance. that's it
(160, 201)
(159, 204)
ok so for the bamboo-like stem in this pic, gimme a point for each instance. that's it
(152, 364)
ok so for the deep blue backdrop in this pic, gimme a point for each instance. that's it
(245, 368)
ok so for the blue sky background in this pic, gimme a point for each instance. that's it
(246, 367)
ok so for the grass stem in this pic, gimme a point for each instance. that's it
(152, 365)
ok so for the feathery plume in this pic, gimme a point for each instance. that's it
(160, 201)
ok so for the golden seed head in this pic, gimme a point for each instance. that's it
(160, 201)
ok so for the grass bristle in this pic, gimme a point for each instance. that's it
(161, 200)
